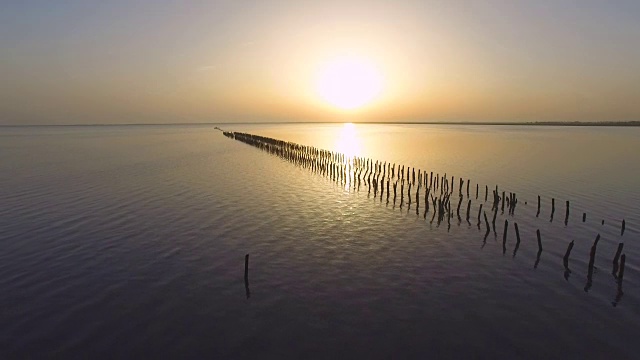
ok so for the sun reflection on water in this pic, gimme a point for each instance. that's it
(348, 141)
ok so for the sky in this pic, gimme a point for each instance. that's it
(104, 62)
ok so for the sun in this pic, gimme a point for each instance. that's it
(349, 82)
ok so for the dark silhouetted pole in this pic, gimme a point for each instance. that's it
(504, 236)
(565, 259)
(539, 240)
(623, 259)
(486, 221)
(616, 257)
(387, 190)
(495, 214)
(246, 276)
(246, 267)
(592, 259)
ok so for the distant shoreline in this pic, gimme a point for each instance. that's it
(486, 123)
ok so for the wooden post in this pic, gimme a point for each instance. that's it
(486, 221)
(567, 253)
(616, 257)
(495, 214)
(504, 236)
(623, 226)
(566, 218)
(539, 240)
(538, 213)
(592, 259)
(584, 217)
(246, 267)
(623, 259)
(246, 276)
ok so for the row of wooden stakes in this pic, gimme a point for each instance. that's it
(379, 176)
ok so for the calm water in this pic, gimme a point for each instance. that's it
(130, 242)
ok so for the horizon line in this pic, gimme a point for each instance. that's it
(632, 123)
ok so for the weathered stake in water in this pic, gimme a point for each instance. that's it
(615, 259)
(539, 240)
(504, 236)
(535, 266)
(246, 276)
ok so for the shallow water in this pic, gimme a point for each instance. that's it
(130, 241)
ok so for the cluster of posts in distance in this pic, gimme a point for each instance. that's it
(393, 183)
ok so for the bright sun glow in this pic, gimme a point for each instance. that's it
(349, 82)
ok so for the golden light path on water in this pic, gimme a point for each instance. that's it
(348, 141)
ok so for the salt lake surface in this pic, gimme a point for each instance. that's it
(129, 241)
